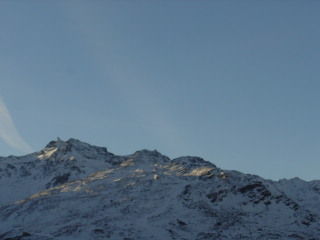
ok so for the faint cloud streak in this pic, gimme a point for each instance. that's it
(8, 131)
(124, 77)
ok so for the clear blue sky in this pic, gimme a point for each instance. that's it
(235, 82)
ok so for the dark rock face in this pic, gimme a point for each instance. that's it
(58, 180)
(24, 235)
(72, 190)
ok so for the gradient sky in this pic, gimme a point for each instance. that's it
(235, 82)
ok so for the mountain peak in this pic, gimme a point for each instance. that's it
(70, 143)
(59, 142)
(75, 147)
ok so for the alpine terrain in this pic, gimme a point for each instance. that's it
(73, 190)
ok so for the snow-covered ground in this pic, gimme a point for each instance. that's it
(72, 190)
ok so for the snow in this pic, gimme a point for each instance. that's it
(73, 190)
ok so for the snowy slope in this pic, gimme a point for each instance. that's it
(72, 190)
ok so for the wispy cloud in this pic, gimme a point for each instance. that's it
(8, 131)
(123, 77)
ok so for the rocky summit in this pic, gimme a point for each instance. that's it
(73, 190)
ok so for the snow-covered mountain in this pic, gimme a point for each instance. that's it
(73, 190)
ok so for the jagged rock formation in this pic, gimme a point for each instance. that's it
(72, 190)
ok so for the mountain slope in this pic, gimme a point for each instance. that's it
(72, 190)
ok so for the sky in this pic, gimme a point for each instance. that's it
(234, 82)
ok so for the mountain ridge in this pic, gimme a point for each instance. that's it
(74, 190)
